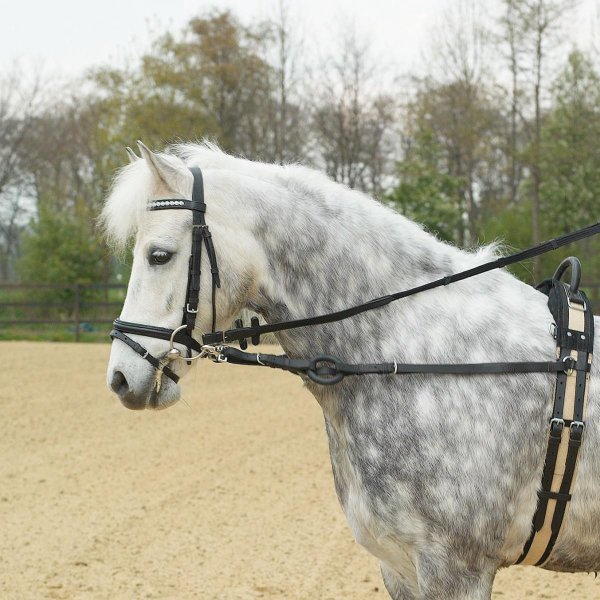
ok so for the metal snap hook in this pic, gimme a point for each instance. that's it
(215, 353)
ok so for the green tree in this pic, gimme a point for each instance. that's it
(213, 80)
(451, 152)
(60, 249)
(532, 29)
(217, 72)
(570, 150)
(425, 193)
(510, 225)
(570, 157)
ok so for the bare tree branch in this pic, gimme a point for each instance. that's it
(352, 118)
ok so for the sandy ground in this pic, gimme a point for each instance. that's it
(229, 496)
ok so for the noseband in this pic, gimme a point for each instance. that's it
(183, 334)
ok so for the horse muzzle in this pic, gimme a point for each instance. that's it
(137, 395)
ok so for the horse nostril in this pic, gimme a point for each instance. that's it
(119, 384)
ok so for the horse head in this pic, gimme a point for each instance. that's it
(158, 288)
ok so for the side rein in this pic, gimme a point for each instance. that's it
(323, 370)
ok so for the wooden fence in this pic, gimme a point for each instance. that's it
(74, 306)
(80, 306)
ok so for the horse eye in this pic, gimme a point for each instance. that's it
(159, 257)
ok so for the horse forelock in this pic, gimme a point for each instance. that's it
(124, 206)
(135, 184)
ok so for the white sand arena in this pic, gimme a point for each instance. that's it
(229, 496)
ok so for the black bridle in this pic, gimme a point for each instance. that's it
(184, 333)
(323, 370)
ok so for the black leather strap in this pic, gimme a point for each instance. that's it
(161, 333)
(143, 353)
(562, 299)
(328, 370)
(232, 335)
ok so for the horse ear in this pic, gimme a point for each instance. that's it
(132, 155)
(163, 169)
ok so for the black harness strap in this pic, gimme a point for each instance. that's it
(575, 339)
(200, 236)
(144, 354)
(236, 334)
(328, 370)
(161, 333)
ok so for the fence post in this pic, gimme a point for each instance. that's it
(77, 312)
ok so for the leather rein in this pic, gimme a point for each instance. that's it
(324, 370)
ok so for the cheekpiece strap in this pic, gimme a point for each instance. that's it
(201, 236)
(190, 310)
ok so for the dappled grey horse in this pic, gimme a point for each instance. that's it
(437, 475)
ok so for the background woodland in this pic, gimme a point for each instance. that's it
(497, 137)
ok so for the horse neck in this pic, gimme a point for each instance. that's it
(329, 248)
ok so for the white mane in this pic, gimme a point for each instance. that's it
(134, 186)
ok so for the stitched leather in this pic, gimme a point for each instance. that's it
(200, 236)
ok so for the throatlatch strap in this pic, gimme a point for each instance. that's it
(575, 338)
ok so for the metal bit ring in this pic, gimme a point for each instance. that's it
(175, 353)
